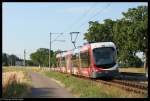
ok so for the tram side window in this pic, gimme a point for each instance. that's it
(75, 60)
(85, 59)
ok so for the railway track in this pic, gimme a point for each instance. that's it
(132, 84)
(127, 85)
(136, 87)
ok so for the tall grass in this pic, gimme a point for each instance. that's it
(15, 84)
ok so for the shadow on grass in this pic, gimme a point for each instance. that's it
(16, 90)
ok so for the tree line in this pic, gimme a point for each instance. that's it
(38, 58)
(8, 60)
(11, 60)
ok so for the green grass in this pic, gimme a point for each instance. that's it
(88, 89)
(16, 90)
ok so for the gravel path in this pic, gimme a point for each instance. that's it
(44, 87)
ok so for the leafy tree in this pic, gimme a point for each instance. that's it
(41, 57)
(100, 32)
(30, 63)
(129, 34)
(5, 59)
(12, 59)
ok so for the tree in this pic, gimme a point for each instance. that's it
(100, 32)
(131, 31)
(12, 59)
(139, 27)
(30, 63)
(129, 34)
(5, 59)
(41, 57)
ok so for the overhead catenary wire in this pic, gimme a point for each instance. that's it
(82, 16)
(100, 12)
(91, 18)
(57, 37)
(85, 13)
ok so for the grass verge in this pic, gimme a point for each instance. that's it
(89, 89)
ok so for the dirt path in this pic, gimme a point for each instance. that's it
(44, 87)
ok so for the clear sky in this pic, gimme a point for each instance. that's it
(27, 25)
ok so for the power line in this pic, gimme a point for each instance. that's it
(57, 37)
(96, 14)
(89, 19)
(50, 44)
(83, 15)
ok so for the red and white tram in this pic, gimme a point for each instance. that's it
(92, 60)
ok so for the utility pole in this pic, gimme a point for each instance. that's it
(50, 52)
(11, 61)
(50, 46)
(24, 58)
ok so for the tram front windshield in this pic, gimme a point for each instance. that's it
(104, 56)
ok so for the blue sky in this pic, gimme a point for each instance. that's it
(27, 25)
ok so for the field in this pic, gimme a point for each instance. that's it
(79, 87)
(15, 83)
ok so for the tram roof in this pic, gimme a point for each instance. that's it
(102, 44)
(85, 47)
